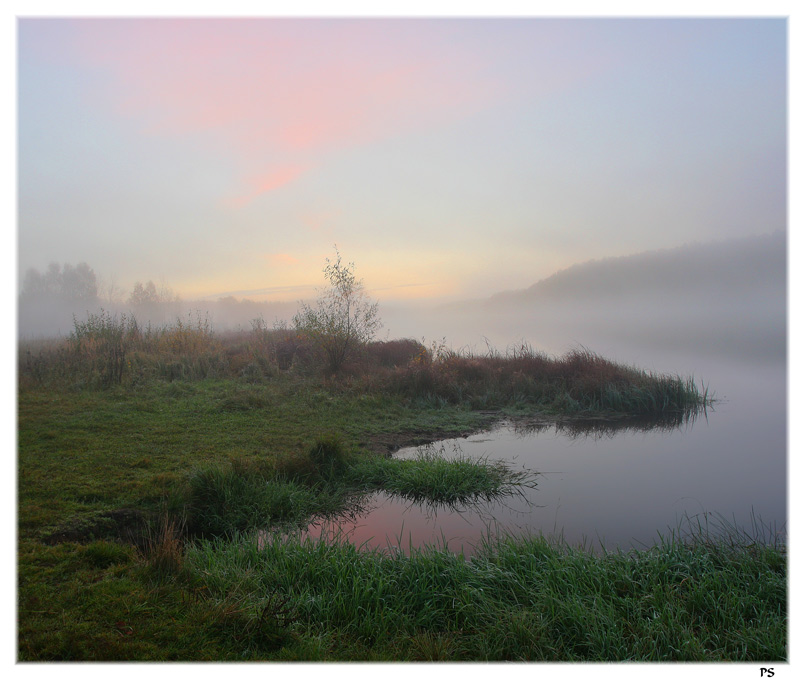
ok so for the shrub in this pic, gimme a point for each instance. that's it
(342, 319)
(393, 353)
(99, 346)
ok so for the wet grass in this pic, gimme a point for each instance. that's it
(526, 599)
(225, 499)
(436, 481)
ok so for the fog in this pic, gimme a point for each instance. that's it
(723, 299)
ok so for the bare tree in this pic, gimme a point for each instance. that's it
(343, 318)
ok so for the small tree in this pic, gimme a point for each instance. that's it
(343, 319)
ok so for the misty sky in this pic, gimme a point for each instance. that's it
(446, 158)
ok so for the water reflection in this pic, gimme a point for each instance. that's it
(607, 426)
(615, 484)
(394, 524)
(592, 463)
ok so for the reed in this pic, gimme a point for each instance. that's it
(580, 382)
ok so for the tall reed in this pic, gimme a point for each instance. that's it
(580, 382)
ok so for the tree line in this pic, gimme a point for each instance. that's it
(339, 323)
(79, 284)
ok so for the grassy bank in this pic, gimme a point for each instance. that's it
(519, 599)
(148, 460)
(221, 500)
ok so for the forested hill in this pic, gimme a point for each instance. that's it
(728, 267)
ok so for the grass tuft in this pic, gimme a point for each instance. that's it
(163, 549)
(433, 479)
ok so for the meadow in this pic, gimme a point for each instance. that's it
(166, 475)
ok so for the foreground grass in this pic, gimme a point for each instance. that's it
(86, 453)
(96, 470)
(293, 599)
(518, 599)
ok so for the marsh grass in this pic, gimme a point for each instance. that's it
(98, 347)
(518, 598)
(432, 479)
(223, 499)
(580, 382)
(163, 547)
(111, 349)
(108, 350)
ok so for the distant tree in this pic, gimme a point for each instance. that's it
(343, 319)
(144, 294)
(79, 283)
(149, 294)
(109, 292)
(33, 285)
(49, 300)
(153, 304)
(64, 284)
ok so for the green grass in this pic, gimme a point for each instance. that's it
(92, 451)
(220, 500)
(140, 501)
(518, 599)
(431, 479)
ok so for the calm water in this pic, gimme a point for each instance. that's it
(618, 488)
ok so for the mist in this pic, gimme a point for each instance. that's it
(722, 299)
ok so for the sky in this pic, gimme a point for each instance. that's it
(447, 158)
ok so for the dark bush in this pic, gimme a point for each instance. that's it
(393, 353)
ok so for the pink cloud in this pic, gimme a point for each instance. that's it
(281, 93)
(321, 221)
(265, 183)
(276, 179)
(280, 87)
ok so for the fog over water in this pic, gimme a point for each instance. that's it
(721, 299)
(722, 323)
(716, 312)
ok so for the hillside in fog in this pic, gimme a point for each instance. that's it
(723, 298)
(727, 269)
